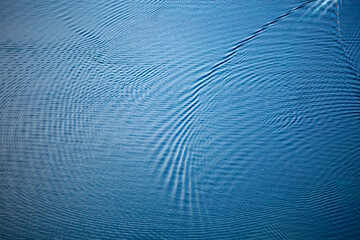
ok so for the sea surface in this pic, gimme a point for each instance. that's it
(169, 119)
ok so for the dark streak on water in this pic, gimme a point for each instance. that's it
(179, 119)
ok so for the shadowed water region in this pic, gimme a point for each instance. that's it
(180, 119)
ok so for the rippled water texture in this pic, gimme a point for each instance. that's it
(180, 119)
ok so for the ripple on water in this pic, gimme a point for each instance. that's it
(151, 119)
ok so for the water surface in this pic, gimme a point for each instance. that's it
(179, 119)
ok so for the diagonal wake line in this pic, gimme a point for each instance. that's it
(204, 79)
(265, 26)
(249, 38)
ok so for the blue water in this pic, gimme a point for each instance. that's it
(180, 119)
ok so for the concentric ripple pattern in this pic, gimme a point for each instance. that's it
(179, 119)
